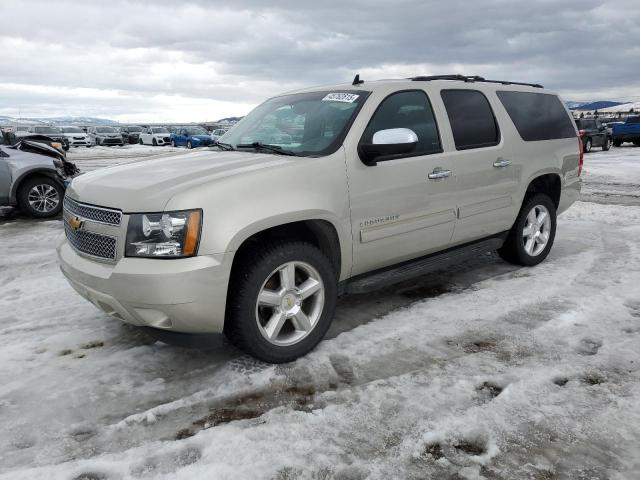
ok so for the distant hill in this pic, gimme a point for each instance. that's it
(67, 120)
(597, 105)
(230, 120)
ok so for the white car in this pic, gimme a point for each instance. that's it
(216, 134)
(155, 136)
(76, 136)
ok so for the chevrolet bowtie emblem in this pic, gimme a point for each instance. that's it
(75, 223)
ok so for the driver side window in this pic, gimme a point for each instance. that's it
(409, 109)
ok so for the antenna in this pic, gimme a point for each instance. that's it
(356, 80)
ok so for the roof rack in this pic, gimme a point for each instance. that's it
(470, 79)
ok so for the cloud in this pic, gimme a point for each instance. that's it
(197, 60)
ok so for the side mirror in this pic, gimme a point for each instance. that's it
(388, 143)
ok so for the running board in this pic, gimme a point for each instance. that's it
(368, 282)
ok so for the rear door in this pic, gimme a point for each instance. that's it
(397, 211)
(482, 160)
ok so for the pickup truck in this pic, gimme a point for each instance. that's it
(370, 184)
(629, 131)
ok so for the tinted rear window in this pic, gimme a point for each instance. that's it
(537, 116)
(471, 118)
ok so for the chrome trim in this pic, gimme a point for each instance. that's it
(72, 234)
(86, 212)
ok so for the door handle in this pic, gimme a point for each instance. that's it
(439, 173)
(501, 162)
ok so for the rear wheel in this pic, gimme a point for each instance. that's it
(636, 143)
(532, 235)
(281, 301)
(587, 145)
(617, 143)
(40, 197)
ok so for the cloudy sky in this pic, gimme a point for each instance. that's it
(202, 60)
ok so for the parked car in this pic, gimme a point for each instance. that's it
(593, 134)
(76, 136)
(258, 240)
(33, 176)
(53, 133)
(155, 136)
(106, 136)
(190, 137)
(629, 131)
(130, 134)
(217, 133)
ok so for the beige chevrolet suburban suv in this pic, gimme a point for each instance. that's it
(318, 193)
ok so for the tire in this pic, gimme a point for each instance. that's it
(40, 197)
(140, 142)
(247, 319)
(154, 142)
(587, 145)
(514, 249)
(636, 143)
(617, 143)
(607, 144)
(173, 144)
(189, 146)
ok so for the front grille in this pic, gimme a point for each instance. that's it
(95, 214)
(112, 140)
(166, 139)
(90, 243)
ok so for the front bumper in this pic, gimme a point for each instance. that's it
(182, 295)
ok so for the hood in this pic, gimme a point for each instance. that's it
(201, 137)
(148, 185)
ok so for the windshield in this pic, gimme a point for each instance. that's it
(71, 130)
(307, 124)
(159, 130)
(195, 131)
(105, 130)
(46, 130)
(134, 129)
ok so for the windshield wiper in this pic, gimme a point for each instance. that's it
(268, 148)
(224, 146)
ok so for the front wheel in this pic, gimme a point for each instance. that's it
(140, 142)
(40, 197)
(154, 142)
(189, 146)
(607, 144)
(532, 235)
(281, 301)
(587, 145)
(173, 144)
(617, 143)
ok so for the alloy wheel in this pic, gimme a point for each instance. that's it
(537, 230)
(290, 303)
(43, 198)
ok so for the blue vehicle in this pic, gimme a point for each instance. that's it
(629, 131)
(190, 137)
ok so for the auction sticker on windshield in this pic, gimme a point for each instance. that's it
(340, 97)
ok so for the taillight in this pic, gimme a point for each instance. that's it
(581, 160)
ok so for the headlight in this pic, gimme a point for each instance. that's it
(164, 235)
(57, 145)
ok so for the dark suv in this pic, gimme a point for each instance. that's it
(593, 133)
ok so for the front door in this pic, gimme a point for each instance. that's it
(403, 207)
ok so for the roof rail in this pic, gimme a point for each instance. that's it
(470, 79)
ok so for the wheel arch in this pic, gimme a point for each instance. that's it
(39, 172)
(318, 231)
(547, 183)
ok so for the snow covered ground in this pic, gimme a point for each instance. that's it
(483, 371)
